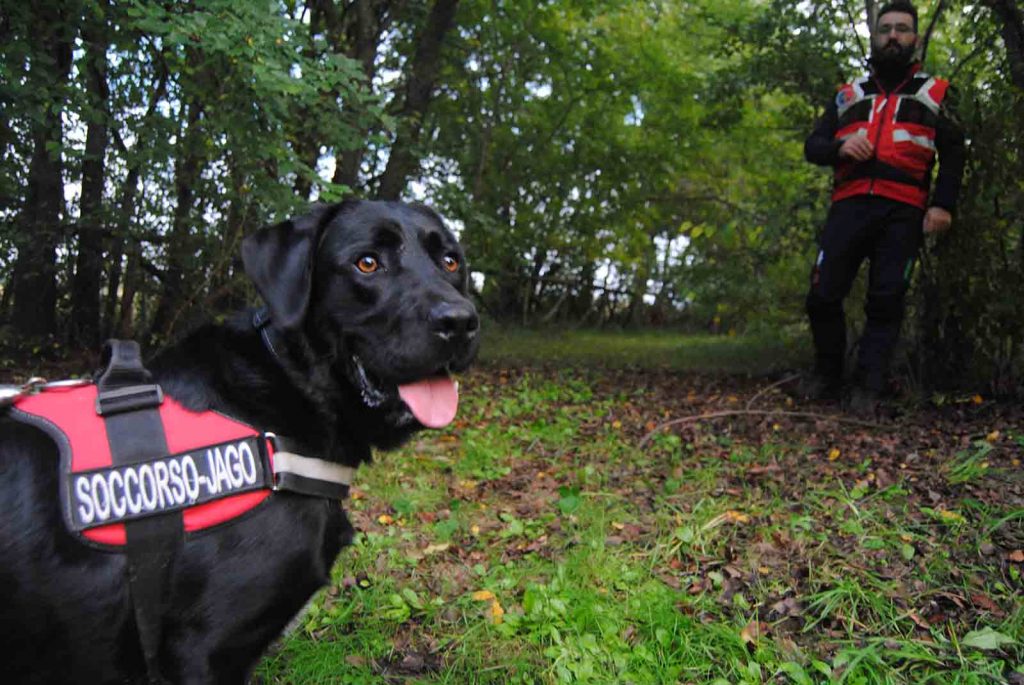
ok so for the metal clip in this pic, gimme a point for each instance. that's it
(10, 394)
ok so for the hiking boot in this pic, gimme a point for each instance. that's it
(820, 388)
(864, 402)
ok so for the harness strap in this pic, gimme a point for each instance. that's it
(308, 476)
(261, 322)
(128, 402)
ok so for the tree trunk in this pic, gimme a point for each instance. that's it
(419, 91)
(39, 225)
(127, 199)
(304, 138)
(179, 246)
(227, 260)
(85, 293)
(132, 277)
(125, 212)
(1012, 30)
(365, 26)
(870, 13)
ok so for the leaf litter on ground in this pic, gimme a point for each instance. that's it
(802, 550)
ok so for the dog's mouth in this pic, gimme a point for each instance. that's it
(433, 400)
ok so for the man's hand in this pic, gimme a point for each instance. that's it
(937, 220)
(857, 148)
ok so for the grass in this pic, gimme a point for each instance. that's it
(648, 349)
(533, 543)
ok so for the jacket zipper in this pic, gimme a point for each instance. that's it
(884, 119)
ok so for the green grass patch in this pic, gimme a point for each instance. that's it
(647, 349)
(533, 543)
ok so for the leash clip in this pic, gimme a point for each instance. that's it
(10, 394)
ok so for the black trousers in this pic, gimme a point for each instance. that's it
(889, 234)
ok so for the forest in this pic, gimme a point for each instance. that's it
(631, 492)
(608, 163)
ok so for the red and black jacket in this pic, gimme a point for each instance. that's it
(907, 122)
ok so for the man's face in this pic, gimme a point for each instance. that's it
(894, 39)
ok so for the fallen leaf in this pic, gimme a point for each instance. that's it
(948, 515)
(670, 580)
(436, 549)
(985, 602)
(1017, 556)
(497, 613)
(733, 516)
(833, 454)
(788, 607)
(483, 595)
(986, 638)
(992, 437)
(754, 631)
(920, 622)
(385, 520)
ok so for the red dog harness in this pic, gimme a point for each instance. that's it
(140, 473)
(215, 468)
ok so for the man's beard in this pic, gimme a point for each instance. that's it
(892, 57)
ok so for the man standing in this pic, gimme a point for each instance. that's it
(881, 133)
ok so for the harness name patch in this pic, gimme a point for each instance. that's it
(165, 484)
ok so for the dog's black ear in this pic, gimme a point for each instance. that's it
(279, 260)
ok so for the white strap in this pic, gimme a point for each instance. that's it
(317, 469)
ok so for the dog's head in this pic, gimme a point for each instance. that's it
(380, 290)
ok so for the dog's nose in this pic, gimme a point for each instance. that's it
(450, 319)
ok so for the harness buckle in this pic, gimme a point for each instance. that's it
(128, 399)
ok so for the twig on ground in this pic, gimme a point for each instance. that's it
(757, 412)
(776, 384)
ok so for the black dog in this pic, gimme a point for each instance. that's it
(368, 315)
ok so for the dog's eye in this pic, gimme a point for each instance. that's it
(451, 263)
(367, 264)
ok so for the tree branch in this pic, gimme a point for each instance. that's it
(939, 7)
(853, 27)
(1013, 36)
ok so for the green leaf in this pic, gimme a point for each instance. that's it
(987, 639)
(796, 673)
(569, 499)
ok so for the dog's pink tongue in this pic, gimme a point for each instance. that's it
(433, 401)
